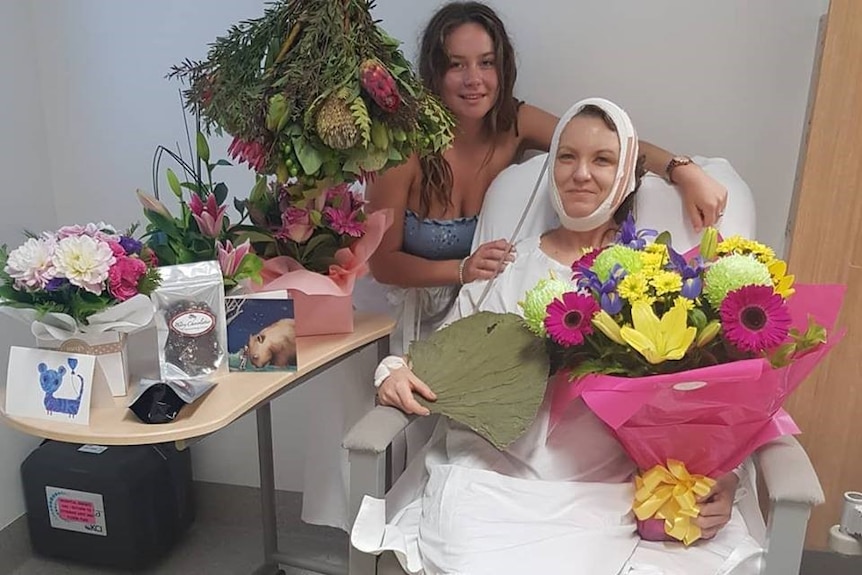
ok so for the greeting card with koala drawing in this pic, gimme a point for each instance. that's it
(50, 385)
(260, 332)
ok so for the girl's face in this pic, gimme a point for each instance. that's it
(470, 84)
(586, 164)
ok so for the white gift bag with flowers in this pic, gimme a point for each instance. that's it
(82, 289)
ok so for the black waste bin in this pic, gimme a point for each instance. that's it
(122, 507)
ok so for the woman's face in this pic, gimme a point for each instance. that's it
(586, 164)
(470, 84)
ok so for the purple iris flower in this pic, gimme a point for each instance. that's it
(631, 237)
(130, 245)
(691, 287)
(56, 284)
(692, 284)
(611, 302)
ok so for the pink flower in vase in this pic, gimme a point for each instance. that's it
(209, 216)
(230, 257)
(345, 223)
(123, 277)
(295, 225)
(252, 152)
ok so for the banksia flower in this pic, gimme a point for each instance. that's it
(380, 85)
(335, 124)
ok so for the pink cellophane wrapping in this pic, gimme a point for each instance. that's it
(323, 303)
(710, 418)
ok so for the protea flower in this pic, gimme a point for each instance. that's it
(380, 85)
(209, 215)
(252, 152)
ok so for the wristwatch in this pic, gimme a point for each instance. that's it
(673, 164)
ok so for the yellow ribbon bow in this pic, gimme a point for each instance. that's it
(671, 493)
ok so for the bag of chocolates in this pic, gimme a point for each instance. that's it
(190, 320)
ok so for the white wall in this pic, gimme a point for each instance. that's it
(24, 184)
(723, 78)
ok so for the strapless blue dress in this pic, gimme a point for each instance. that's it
(435, 239)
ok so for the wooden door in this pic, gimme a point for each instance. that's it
(825, 246)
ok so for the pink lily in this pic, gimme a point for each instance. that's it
(151, 204)
(230, 257)
(209, 216)
(295, 225)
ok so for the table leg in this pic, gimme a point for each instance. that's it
(267, 490)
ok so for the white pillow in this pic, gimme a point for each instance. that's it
(658, 205)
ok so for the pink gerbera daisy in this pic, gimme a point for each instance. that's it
(755, 318)
(569, 319)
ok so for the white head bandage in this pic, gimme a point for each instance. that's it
(624, 183)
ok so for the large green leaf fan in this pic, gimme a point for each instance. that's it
(488, 372)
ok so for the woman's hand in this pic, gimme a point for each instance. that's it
(488, 260)
(397, 391)
(703, 197)
(716, 507)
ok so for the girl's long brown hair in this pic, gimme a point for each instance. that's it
(437, 180)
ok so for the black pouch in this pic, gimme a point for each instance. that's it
(162, 401)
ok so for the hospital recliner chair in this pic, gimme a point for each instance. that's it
(784, 467)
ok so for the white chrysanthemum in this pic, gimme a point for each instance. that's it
(31, 264)
(84, 261)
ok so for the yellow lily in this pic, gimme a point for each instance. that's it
(606, 324)
(708, 333)
(709, 243)
(657, 339)
(781, 280)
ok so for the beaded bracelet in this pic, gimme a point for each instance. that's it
(461, 270)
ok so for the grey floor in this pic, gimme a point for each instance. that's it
(212, 550)
(225, 540)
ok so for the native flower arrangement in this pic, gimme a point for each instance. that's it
(202, 231)
(79, 277)
(315, 94)
(687, 358)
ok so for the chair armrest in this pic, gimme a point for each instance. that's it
(788, 473)
(376, 430)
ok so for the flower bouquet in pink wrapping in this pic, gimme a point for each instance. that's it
(687, 358)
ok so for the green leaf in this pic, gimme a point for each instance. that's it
(309, 158)
(316, 218)
(174, 183)
(663, 238)
(220, 192)
(221, 162)
(163, 223)
(203, 148)
(250, 267)
(488, 372)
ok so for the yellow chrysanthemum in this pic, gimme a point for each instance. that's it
(782, 283)
(634, 287)
(656, 249)
(744, 246)
(688, 304)
(652, 261)
(666, 282)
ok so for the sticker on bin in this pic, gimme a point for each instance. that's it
(76, 511)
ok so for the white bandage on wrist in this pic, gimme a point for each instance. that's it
(386, 367)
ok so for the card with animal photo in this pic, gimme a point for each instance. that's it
(261, 335)
(51, 385)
